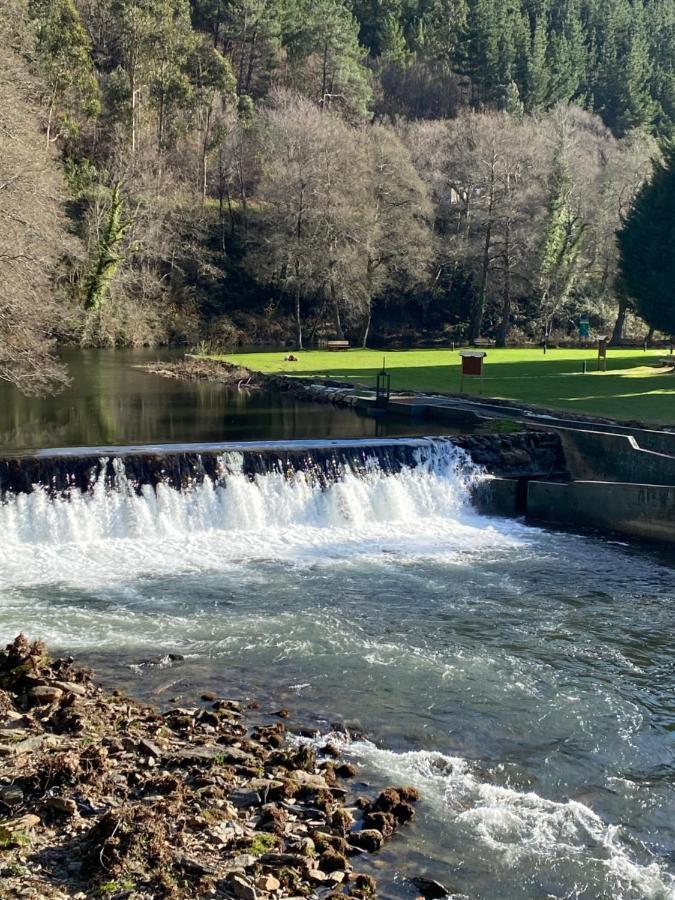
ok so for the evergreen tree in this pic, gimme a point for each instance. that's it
(327, 59)
(64, 54)
(647, 247)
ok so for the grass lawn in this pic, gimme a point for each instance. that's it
(630, 389)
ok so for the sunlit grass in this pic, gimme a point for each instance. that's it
(553, 380)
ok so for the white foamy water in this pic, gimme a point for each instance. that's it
(520, 831)
(117, 534)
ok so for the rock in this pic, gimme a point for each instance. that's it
(208, 696)
(387, 800)
(11, 795)
(369, 839)
(332, 861)
(309, 779)
(317, 875)
(148, 747)
(71, 687)
(324, 841)
(430, 889)
(242, 798)
(283, 859)
(282, 713)
(346, 770)
(26, 746)
(193, 866)
(382, 821)
(62, 805)
(403, 812)
(44, 694)
(364, 884)
(408, 794)
(242, 888)
(267, 883)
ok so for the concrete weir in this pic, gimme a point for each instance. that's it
(525, 455)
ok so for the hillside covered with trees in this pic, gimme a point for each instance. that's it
(261, 171)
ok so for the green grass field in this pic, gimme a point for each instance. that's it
(631, 388)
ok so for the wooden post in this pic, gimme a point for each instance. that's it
(602, 352)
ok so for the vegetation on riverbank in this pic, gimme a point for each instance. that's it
(633, 388)
(103, 797)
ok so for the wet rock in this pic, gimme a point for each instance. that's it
(332, 861)
(282, 713)
(381, 821)
(341, 820)
(369, 839)
(387, 800)
(408, 794)
(403, 812)
(208, 696)
(364, 885)
(346, 770)
(430, 889)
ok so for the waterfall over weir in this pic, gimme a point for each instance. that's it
(66, 497)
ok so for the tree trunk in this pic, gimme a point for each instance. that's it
(505, 323)
(298, 317)
(649, 337)
(339, 333)
(205, 153)
(617, 332)
(366, 331)
(479, 306)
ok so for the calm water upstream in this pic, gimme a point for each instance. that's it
(522, 679)
(112, 402)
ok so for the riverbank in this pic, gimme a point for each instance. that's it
(101, 796)
(634, 387)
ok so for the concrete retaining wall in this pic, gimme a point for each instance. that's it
(595, 456)
(639, 510)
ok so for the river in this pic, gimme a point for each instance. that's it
(522, 678)
(113, 401)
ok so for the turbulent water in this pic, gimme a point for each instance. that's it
(523, 679)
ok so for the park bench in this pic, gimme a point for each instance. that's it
(337, 345)
(667, 361)
(483, 342)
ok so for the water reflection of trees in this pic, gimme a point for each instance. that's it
(112, 402)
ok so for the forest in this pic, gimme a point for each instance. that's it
(221, 172)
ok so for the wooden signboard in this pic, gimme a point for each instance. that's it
(472, 366)
(602, 352)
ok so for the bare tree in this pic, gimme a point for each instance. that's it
(32, 229)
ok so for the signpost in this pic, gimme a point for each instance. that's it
(584, 326)
(382, 387)
(602, 352)
(472, 366)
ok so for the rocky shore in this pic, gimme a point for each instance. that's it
(101, 796)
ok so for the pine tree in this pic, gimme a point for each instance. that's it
(64, 55)
(647, 247)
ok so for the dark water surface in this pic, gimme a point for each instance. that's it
(112, 403)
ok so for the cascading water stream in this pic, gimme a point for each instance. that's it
(516, 676)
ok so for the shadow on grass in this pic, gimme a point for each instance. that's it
(549, 383)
